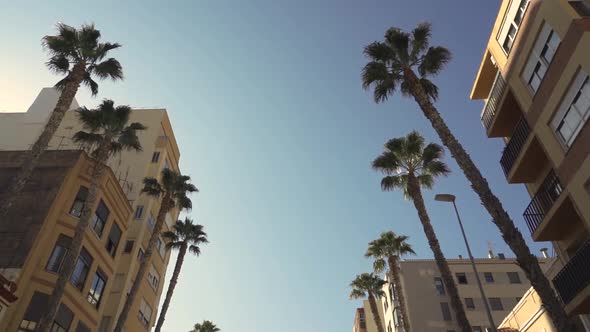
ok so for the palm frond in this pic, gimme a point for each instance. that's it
(378, 51)
(87, 139)
(436, 168)
(387, 163)
(151, 187)
(399, 42)
(88, 38)
(379, 265)
(103, 49)
(61, 84)
(110, 68)
(430, 88)
(414, 144)
(195, 250)
(64, 43)
(434, 61)
(420, 39)
(59, 64)
(431, 153)
(90, 83)
(425, 180)
(374, 73)
(394, 182)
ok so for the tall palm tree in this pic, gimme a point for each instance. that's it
(206, 326)
(173, 189)
(186, 236)
(392, 64)
(409, 165)
(108, 134)
(391, 247)
(77, 54)
(369, 285)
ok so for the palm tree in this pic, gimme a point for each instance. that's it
(77, 54)
(409, 165)
(391, 247)
(186, 236)
(108, 134)
(206, 326)
(392, 64)
(173, 190)
(369, 285)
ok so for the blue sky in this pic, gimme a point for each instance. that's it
(273, 126)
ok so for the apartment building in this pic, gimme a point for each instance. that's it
(160, 151)
(37, 232)
(528, 315)
(364, 320)
(534, 80)
(427, 301)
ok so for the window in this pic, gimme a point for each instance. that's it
(161, 247)
(63, 319)
(496, 304)
(113, 240)
(385, 304)
(128, 246)
(476, 329)
(446, 311)
(145, 313)
(153, 278)
(33, 313)
(97, 288)
(140, 254)
(166, 164)
(461, 278)
(100, 218)
(78, 277)
(574, 110)
(469, 304)
(440, 287)
(155, 157)
(540, 57)
(62, 245)
(151, 222)
(514, 277)
(138, 214)
(79, 201)
(488, 276)
(82, 327)
(509, 30)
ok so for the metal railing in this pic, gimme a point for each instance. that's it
(489, 110)
(542, 202)
(575, 275)
(514, 146)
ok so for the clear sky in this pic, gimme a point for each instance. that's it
(273, 126)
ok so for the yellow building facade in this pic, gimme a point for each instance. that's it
(47, 212)
(534, 80)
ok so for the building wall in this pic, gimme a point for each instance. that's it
(32, 275)
(130, 168)
(424, 303)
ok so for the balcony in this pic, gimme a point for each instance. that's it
(514, 146)
(489, 110)
(542, 202)
(573, 282)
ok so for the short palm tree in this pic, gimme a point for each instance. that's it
(173, 190)
(409, 165)
(186, 236)
(392, 65)
(390, 247)
(206, 326)
(369, 285)
(77, 54)
(108, 134)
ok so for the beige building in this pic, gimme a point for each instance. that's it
(534, 80)
(427, 301)
(528, 315)
(364, 320)
(160, 150)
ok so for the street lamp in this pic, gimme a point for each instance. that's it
(451, 198)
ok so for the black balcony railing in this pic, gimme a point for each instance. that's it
(575, 275)
(542, 202)
(512, 149)
(489, 110)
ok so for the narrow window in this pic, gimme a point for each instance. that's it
(128, 246)
(78, 277)
(469, 304)
(446, 311)
(100, 218)
(145, 313)
(488, 276)
(151, 222)
(32, 315)
(155, 157)
(153, 278)
(440, 287)
(140, 255)
(461, 278)
(79, 201)
(113, 240)
(63, 319)
(161, 248)
(138, 212)
(97, 288)
(62, 245)
(575, 110)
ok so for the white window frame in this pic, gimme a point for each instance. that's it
(153, 278)
(580, 86)
(540, 58)
(145, 313)
(514, 8)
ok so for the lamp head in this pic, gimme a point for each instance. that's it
(444, 197)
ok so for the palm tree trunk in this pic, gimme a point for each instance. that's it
(164, 208)
(173, 282)
(511, 235)
(446, 275)
(375, 312)
(395, 274)
(76, 245)
(32, 157)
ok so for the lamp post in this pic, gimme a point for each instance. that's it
(451, 198)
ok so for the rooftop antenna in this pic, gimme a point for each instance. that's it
(490, 250)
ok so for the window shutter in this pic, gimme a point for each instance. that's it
(569, 98)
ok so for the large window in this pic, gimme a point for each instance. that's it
(153, 278)
(62, 245)
(79, 201)
(440, 287)
(63, 319)
(446, 311)
(511, 25)
(540, 57)
(574, 111)
(113, 240)
(145, 313)
(33, 313)
(97, 288)
(78, 277)
(100, 218)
